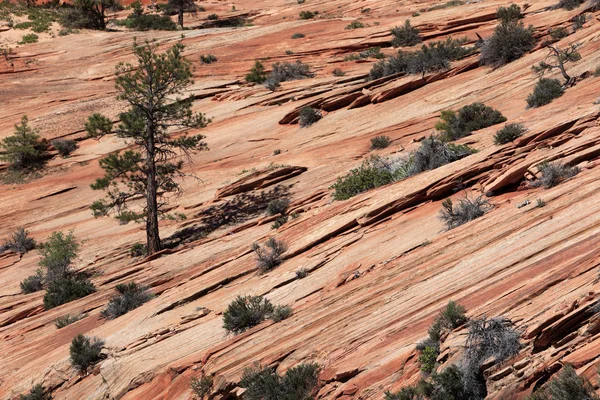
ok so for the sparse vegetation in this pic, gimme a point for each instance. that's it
(566, 385)
(380, 142)
(202, 386)
(559, 57)
(29, 38)
(19, 242)
(406, 35)
(509, 14)
(37, 392)
(509, 133)
(257, 73)
(309, 116)
(57, 254)
(298, 35)
(355, 25)
(213, 17)
(137, 250)
(33, 283)
(301, 273)
(540, 203)
(246, 312)
(68, 319)
(208, 59)
(88, 14)
(85, 352)
(545, 90)
(570, 4)
(470, 118)
(338, 72)
(467, 209)
(64, 146)
(553, 173)
(263, 383)
(578, 22)
(268, 257)
(147, 22)
(308, 14)
(24, 150)
(281, 312)
(433, 57)
(130, 296)
(510, 41)
(558, 33)
(66, 290)
(278, 206)
(283, 72)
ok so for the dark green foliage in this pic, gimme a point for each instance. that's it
(298, 35)
(208, 59)
(283, 72)
(178, 7)
(262, 383)
(434, 153)
(88, 14)
(278, 206)
(308, 14)
(510, 41)
(338, 72)
(137, 250)
(66, 290)
(406, 35)
(570, 4)
(85, 352)
(453, 315)
(354, 25)
(257, 73)
(559, 33)
(508, 14)
(37, 392)
(57, 254)
(268, 257)
(213, 17)
(202, 386)
(509, 133)
(428, 358)
(447, 385)
(33, 283)
(369, 175)
(66, 320)
(566, 385)
(64, 146)
(469, 118)
(245, 312)
(407, 393)
(153, 88)
(433, 57)
(493, 337)
(309, 116)
(380, 142)
(24, 150)
(467, 209)
(29, 38)
(281, 312)
(545, 90)
(130, 297)
(19, 242)
(553, 173)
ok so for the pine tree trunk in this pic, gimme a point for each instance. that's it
(152, 234)
(180, 16)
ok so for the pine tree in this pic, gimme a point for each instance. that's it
(24, 150)
(153, 88)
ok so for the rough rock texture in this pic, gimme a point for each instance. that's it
(380, 264)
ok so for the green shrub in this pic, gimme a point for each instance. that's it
(338, 72)
(559, 33)
(508, 14)
(24, 150)
(246, 312)
(130, 296)
(64, 146)
(354, 25)
(466, 210)
(566, 385)
(428, 358)
(268, 257)
(29, 38)
(19, 242)
(283, 72)
(37, 392)
(469, 118)
(202, 386)
(380, 142)
(278, 206)
(308, 14)
(509, 133)
(407, 393)
(309, 116)
(369, 175)
(553, 173)
(66, 320)
(213, 17)
(433, 57)
(570, 4)
(66, 290)
(262, 383)
(545, 90)
(578, 22)
(208, 59)
(281, 312)
(373, 52)
(257, 73)
(298, 35)
(33, 283)
(138, 250)
(85, 352)
(510, 41)
(434, 153)
(406, 35)
(57, 254)
(448, 384)
(301, 273)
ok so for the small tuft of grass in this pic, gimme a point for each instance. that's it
(380, 142)
(467, 209)
(354, 25)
